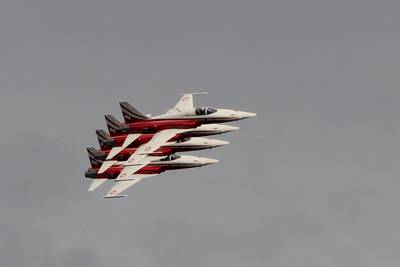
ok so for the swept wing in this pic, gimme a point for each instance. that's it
(158, 140)
(122, 185)
(96, 183)
(130, 138)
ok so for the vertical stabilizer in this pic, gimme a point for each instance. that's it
(115, 126)
(105, 141)
(186, 101)
(95, 163)
(131, 114)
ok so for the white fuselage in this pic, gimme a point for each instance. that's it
(183, 161)
(216, 116)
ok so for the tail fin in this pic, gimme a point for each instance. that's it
(130, 113)
(95, 163)
(98, 154)
(115, 126)
(186, 101)
(105, 141)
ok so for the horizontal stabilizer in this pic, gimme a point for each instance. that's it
(96, 183)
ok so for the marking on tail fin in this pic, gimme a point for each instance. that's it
(186, 101)
(102, 134)
(103, 138)
(93, 161)
(131, 113)
(112, 123)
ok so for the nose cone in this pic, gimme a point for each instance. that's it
(200, 143)
(208, 161)
(217, 143)
(214, 128)
(245, 115)
(228, 128)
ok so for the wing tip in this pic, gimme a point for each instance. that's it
(95, 184)
(196, 93)
(117, 196)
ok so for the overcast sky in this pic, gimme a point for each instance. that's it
(313, 180)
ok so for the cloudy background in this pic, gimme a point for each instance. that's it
(312, 181)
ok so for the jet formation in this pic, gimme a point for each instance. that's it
(144, 146)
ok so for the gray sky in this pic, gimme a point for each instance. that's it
(312, 181)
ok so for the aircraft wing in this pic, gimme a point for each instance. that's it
(130, 138)
(128, 171)
(121, 186)
(106, 164)
(158, 140)
(140, 158)
(96, 183)
(186, 101)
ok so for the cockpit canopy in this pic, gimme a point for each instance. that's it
(170, 157)
(184, 139)
(204, 111)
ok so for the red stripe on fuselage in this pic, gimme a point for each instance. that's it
(114, 171)
(127, 152)
(142, 139)
(154, 126)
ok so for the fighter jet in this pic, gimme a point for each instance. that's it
(183, 145)
(155, 166)
(119, 142)
(144, 146)
(184, 110)
(164, 138)
(184, 115)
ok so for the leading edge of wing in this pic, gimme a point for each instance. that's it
(158, 140)
(96, 183)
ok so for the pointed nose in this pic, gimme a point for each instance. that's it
(217, 143)
(208, 161)
(230, 128)
(245, 115)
